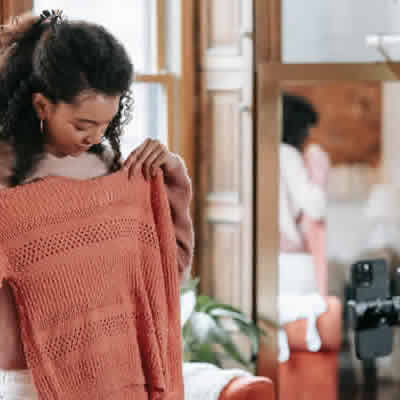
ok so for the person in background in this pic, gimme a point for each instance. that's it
(302, 211)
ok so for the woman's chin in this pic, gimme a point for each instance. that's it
(76, 154)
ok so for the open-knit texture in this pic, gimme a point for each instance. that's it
(89, 165)
(93, 267)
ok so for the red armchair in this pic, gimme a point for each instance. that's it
(307, 375)
(248, 388)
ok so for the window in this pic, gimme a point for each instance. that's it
(336, 31)
(137, 24)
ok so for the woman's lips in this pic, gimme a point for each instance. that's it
(79, 151)
(82, 149)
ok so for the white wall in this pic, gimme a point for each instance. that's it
(348, 228)
(327, 30)
(391, 132)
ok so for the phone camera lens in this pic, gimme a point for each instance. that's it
(364, 274)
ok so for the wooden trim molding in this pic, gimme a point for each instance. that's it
(161, 29)
(266, 234)
(6, 10)
(187, 101)
(12, 8)
(274, 30)
(187, 86)
(266, 226)
(275, 71)
(268, 24)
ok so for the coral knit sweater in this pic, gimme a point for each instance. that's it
(93, 267)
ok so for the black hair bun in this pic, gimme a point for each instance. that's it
(298, 115)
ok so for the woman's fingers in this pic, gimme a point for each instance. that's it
(149, 156)
(161, 159)
(142, 156)
(131, 162)
(149, 162)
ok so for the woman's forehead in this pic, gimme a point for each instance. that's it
(97, 106)
(90, 98)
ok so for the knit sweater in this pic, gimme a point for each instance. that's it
(88, 165)
(93, 267)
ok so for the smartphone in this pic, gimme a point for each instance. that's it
(370, 281)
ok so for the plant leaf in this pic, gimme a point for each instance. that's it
(203, 302)
(188, 304)
(251, 332)
(222, 312)
(190, 285)
(223, 338)
(204, 353)
(203, 326)
(205, 339)
(213, 304)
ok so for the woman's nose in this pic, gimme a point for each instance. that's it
(91, 140)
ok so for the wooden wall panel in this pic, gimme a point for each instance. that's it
(225, 150)
(12, 8)
(223, 27)
(225, 153)
(225, 241)
(350, 119)
(226, 33)
(226, 246)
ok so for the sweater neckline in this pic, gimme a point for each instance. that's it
(39, 183)
(96, 179)
(59, 195)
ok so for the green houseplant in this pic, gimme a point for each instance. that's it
(207, 328)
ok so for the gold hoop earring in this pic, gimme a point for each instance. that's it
(41, 126)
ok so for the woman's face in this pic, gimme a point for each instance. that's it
(70, 129)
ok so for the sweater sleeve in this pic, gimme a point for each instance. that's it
(179, 191)
(6, 160)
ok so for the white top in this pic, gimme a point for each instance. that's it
(297, 193)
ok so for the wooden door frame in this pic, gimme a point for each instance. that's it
(188, 104)
(270, 72)
(9, 8)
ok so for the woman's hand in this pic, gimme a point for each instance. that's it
(149, 156)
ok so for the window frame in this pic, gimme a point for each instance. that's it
(167, 81)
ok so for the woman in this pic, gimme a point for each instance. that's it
(64, 90)
(303, 178)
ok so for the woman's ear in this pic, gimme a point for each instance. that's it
(42, 105)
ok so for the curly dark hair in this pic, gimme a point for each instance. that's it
(59, 60)
(298, 115)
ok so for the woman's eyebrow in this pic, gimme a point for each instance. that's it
(89, 121)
